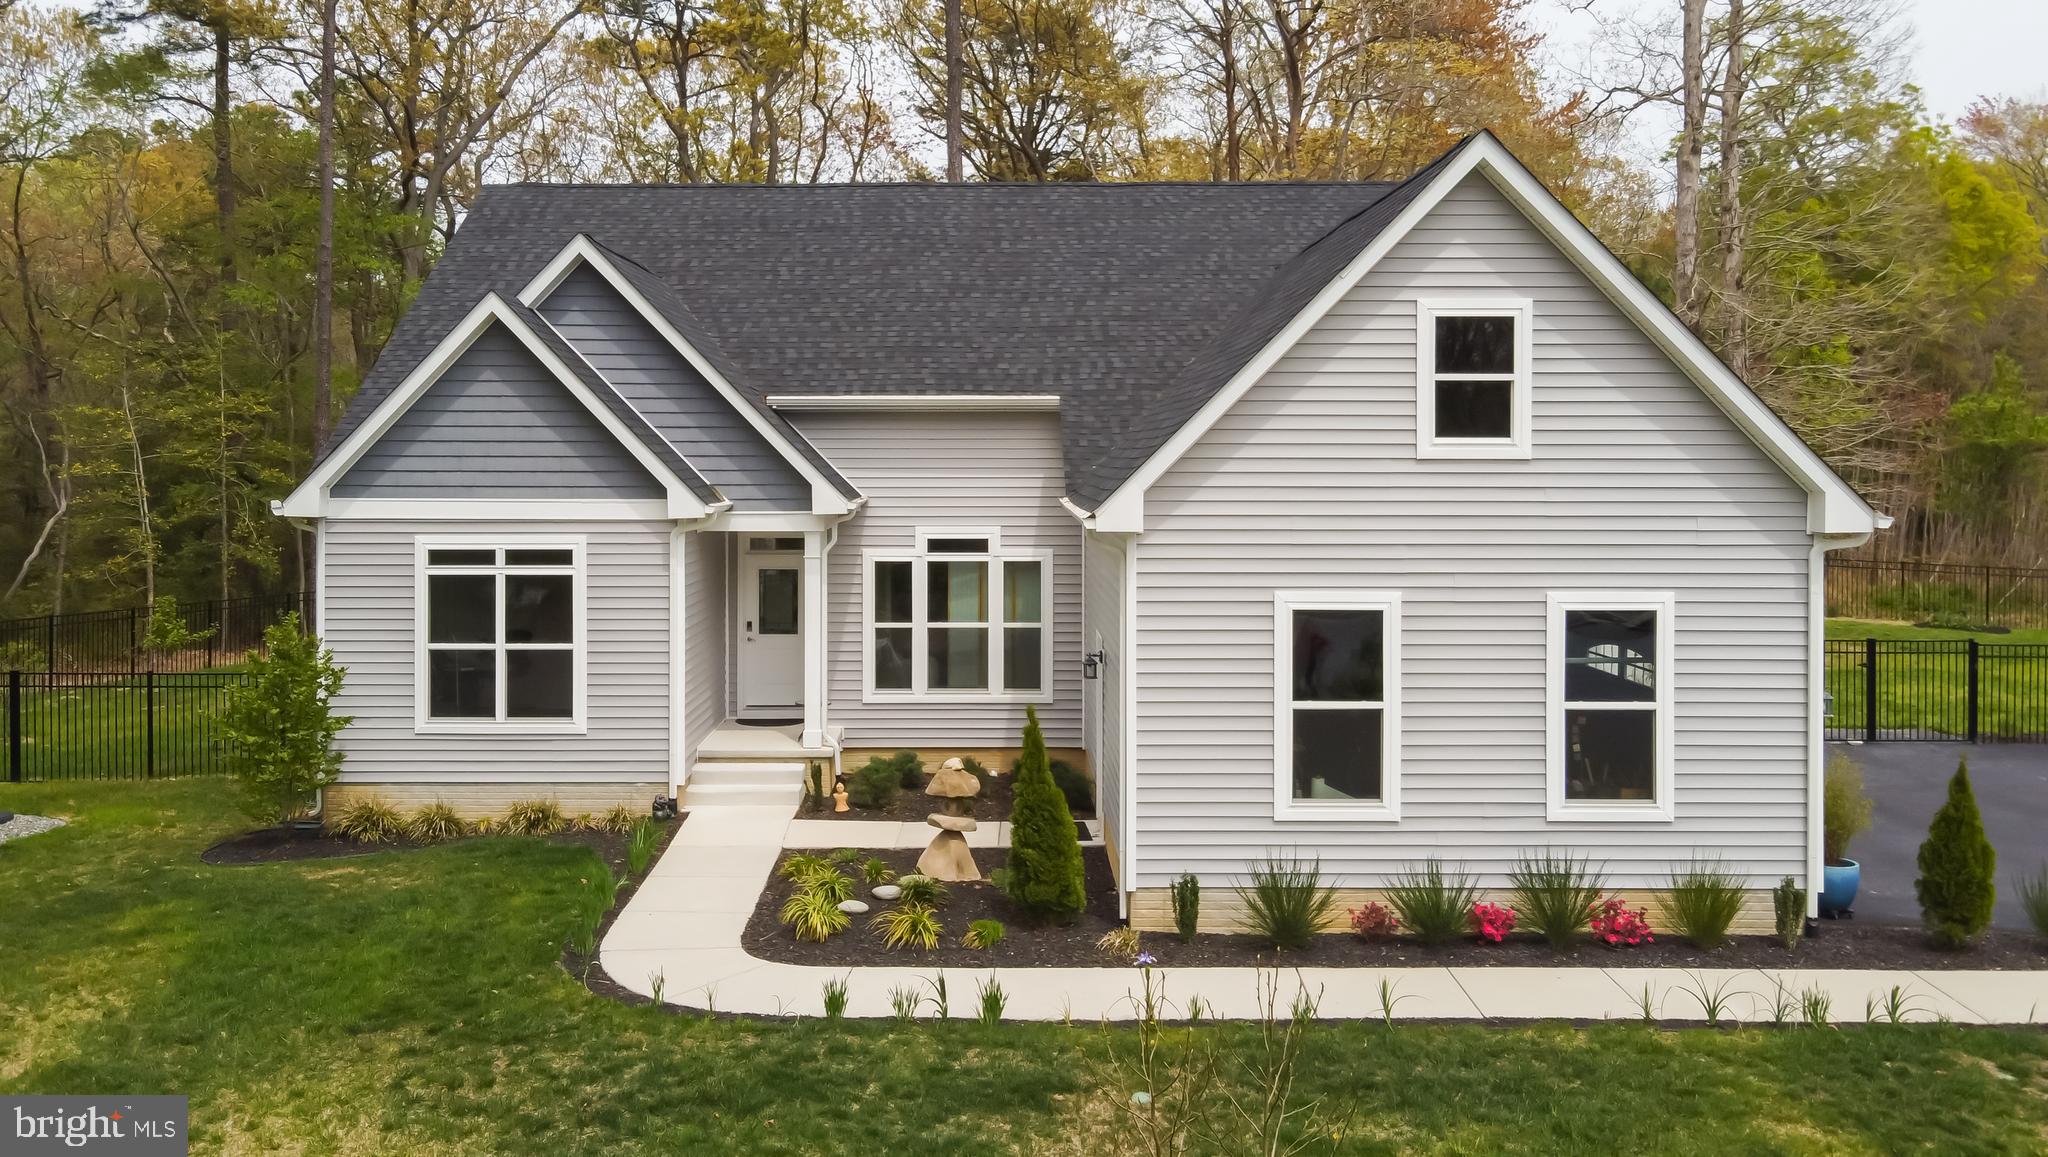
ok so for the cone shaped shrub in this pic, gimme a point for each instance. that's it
(1957, 883)
(1043, 872)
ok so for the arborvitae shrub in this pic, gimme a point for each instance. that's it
(1044, 866)
(1957, 884)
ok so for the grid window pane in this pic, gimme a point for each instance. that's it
(1610, 754)
(462, 608)
(461, 557)
(1475, 409)
(1337, 753)
(892, 658)
(893, 600)
(956, 546)
(540, 608)
(532, 557)
(1021, 592)
(1023, 659)
(462, 684)
(956, 658)
(1475, 345)
(957, 592)
(1610, 656)
(540, 684)
(1338, 655)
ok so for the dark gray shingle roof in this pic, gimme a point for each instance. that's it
(1134, 302)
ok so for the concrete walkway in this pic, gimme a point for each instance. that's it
(683, 926)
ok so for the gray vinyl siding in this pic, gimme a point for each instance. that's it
(1311, 482)
(497, 424)
(369, 620)
(1105, 630)
(704, 636)
(648, 372)
(1000, 470)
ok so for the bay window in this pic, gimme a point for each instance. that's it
(500, 630)
(1609, 702)
(1336, 705)
(959, 617)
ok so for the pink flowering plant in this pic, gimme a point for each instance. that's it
(1492, 921)
(1374, 921)
(1617, 925)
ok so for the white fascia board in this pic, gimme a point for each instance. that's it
(1838, 509)
(990, 403)
(310, 499)
(501, 509)
(825, 497)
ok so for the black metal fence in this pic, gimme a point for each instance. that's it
(101, 725)
(1937, 689)
(213, 634)
(1944, 594)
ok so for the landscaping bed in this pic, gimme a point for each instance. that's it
(278, 845)
(1838, 944)
(992, 805)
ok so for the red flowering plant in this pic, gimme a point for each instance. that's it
(1492, 921)
(1617, 925)
(1374, 921)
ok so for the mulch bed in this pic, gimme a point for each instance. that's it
(284, 845)
(1838, 944)
(913, 804)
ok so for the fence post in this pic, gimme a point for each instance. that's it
(1870, 690)
(1973, 690)
(149, 714)
(14, 726)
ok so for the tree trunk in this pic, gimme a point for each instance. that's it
(955, 143)
(1226, 52)
(223, 149)
(323, 247)
(1734, 310)
(1685, 217)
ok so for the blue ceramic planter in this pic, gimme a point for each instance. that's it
(1838, 887)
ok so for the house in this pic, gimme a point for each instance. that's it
(1373, 521)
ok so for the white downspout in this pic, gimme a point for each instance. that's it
(1816, 692)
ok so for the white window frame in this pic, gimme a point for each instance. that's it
(423, 721)
(1521, 408)
(1285, 806)
(920, 624)
(1662, 808)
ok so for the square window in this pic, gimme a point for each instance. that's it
(500, 635)
(1337, 754)
(540, 684)
(540, 608)
(462, 608)
(958, 658)
(1610, 656)
(1475, 409)
(462, 684)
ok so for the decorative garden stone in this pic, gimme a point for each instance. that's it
(947, 857)
(886, 891)
(853, 907)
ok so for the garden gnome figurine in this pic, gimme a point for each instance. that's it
(948, 858)
(839, 793)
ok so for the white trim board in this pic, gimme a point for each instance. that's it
(1005, 403)
(310, 499)
(582, 250)
(1835, 508)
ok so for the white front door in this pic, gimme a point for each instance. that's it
(771, 654)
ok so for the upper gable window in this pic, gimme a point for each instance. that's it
(1472, 380)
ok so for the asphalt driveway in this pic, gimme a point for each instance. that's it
(1908, 781)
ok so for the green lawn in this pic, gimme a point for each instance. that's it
(410, 1002)
(1930, 690)
(1862, 629)
(103, 731)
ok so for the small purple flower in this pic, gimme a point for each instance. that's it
(1146, 958)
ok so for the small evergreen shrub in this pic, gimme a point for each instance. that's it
(533, 817)
(367, 819)
(1704, 902)
(278, 730)
(1074, 784)
(1845, 808)
(434, 822)
(1187, 906)
(1286, 902)
(1434, 904)
(876, 870)
(1043, 870)
(1957, 885)
(1554, 895)
(907, 926)
(909, 770)
(983, 934)
(2033, 893)
(816, 791)
(875, 784)
(1788, 906)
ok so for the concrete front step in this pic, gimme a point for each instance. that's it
(753, 773)
(697, 795)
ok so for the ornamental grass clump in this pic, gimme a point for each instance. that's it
(368, 820)
(813, 915)
(1704, 900)
(1286, 902)
(2033, 893)
(1043, 872)
(983, 934)
(1957, 885)
(1555, 895)
(640, 847)
(1435, 905)
(435, 822)
(918, 888)
(533, 817)
(908, 926)
(1845, 808)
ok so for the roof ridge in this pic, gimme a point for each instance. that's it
(963, 186)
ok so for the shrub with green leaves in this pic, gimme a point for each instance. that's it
(1187, 906)
(1075, 785)
(619, 820)
(918, 888)
(1044, 874)
(533, 817)
(1957, 885)
(909, 770)
(876, 870)
(22, 655)
(1554, 894)
(875, 784)
(278, 729)
(1435, 905)
(974, 767)
(813, 915)
(434, 822)
(984, 934)
(168, 632)
(797, 865)
(1788, 907)
(907, 926)
(1286, 902)
(367, 819)
(1845, 808)
(1704, 901)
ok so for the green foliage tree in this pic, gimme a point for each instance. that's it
(279, 725)
(1958, 866)
(1043, 872)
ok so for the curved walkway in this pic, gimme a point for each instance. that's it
(683, 926)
